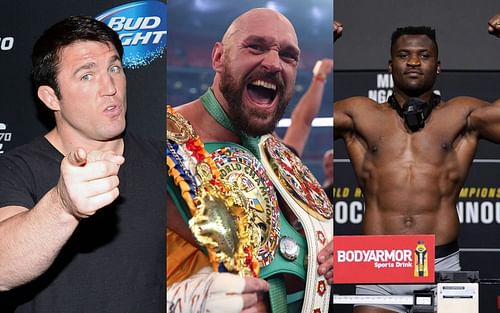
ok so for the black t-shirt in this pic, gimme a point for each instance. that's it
(115, 259)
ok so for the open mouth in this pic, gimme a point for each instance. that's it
(113, 110)
(262, 92)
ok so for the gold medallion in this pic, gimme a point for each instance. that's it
(298, 180)
(178, 129)
(247, 175)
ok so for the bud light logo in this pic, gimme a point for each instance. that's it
(142, 27)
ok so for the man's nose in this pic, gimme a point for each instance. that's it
(413, 61)
(272, 62)
(107, 86)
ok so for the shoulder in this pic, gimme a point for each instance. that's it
(353, 105)
(357, 101)
(192, 111)
(463, 105)
(27, 172)
(466, 101)
(34, 152)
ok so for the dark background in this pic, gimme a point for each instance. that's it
(461, 29)
(23, 116)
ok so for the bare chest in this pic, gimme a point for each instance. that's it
(387, 138)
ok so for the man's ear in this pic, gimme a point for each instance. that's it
(48, 97)
(218, 57)
(438, 67)
(389, 64)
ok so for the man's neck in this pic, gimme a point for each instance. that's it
(402, 97)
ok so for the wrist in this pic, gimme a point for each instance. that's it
(61, 204)
(54, 206)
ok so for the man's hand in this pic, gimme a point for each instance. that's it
(88, 181)
(325, 260)
(253, 295)
(207, 291)
(337, 30)
(231, 293)
(494, 25)
(325, 68)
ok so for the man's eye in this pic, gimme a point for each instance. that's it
(86, 77)
(289, 57)
(256, 48)
(115, 69)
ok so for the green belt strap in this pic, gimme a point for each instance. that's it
(295, 297)
(277, 294)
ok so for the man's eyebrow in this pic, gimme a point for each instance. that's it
(90, 65)
(267, 40)
(85, 66)
(255, 38)
(115, 58)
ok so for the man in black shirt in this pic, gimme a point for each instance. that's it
(82, 209)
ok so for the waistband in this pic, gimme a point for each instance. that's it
(447, 249)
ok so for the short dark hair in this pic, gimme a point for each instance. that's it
(415, 30)
(46, 51)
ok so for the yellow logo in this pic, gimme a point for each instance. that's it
(420, 260)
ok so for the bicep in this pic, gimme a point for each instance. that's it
(342, 120)
(485, 120)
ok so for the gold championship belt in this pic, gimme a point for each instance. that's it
(222, 218)
(246, 174)
(305, 197)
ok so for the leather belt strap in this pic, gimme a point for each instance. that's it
(318, 234)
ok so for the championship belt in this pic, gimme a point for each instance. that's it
(222, 219)
(305, 197)
(245, 173)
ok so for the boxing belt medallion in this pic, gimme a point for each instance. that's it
(305, 197)
(221, 219)
(246, 174)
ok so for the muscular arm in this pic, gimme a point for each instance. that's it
(343, 115)
(486, 120)
(307, 108)
(31, 239)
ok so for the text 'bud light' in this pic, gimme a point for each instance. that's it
(142, 27)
